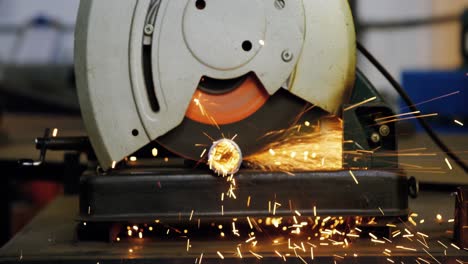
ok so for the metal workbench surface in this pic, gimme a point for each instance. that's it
(51, 238)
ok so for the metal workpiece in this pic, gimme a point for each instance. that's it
(172, 194)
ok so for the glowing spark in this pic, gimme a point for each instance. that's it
(436, 98)
(297, 213)
(378, 241)
(430, 255)
(393, 116)
(390, 260)
(118, 239)
(201, 258)
(295, 219)
(191, 215)
(458, 122)
(250, 239)
(248, 201)
(234, 230)
(291, 149)
(442, 244)
(390, 225)
(381, 211)
(239, 252)
(130, 250)
(55, 132)
(439, 217)
(422, 243)
(220, 255)
(307, 123)
(255, 254)
(338, 256)
(421, 221)
(133, 158)
(451, 220)
(455, 246)
(154, 152)
(276, 205)
(359, 104)
(422, 234)
(225, 157)
(129, 232)
(315, 210)
(113, 164)
(354, 177)
(140, 235)
(386, 239)
(203, 153)
(408, 118)
(423, 260)
(303, 261)
(373, 236)
(250, 223)
(448, 164)
(406, 248)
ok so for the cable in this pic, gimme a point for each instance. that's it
(412, 106)
(416, 22)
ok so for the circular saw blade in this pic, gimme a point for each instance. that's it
(282, 110)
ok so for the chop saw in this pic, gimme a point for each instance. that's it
(269, 87)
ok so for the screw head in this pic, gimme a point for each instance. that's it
(384, 130)
(280, 4)
(287, 56)
(375, 137)
(149, 29)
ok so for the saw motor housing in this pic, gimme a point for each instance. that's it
(139, 63)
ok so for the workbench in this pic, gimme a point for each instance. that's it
(51, 238)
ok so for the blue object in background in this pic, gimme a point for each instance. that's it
(422, 86)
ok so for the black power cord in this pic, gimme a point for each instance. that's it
(412, 106)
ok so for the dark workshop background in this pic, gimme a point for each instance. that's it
(37, 85)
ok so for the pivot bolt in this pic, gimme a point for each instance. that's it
(375, 137)
(280, 4)
(384, 130)
(287, 56)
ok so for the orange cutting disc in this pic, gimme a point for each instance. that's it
(230, 107)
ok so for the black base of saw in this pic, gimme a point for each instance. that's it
(174, 194)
